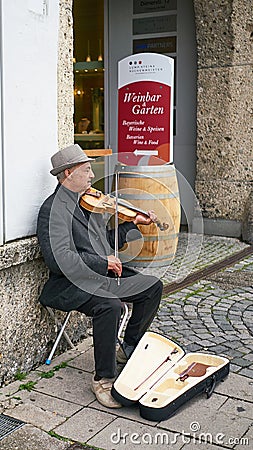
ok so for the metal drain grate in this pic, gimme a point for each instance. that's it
(8, 425)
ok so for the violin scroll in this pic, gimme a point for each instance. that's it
(162, 226)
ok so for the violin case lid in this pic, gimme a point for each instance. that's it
(161, 377)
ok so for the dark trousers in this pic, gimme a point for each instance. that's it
(105, 307)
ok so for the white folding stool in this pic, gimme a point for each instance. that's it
(62, 331)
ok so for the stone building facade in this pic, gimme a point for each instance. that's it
(224, 33)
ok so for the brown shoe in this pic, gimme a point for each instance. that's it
(102, 391)
(123, 353)
(121, 357)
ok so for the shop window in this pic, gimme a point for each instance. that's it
(89, 73)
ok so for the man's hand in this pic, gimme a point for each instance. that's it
(115, 265)
(142, 219)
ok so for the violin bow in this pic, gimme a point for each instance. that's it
(168, 358)
(116, 238)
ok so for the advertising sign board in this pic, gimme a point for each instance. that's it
(145, 106)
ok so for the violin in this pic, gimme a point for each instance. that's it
(97, 202)
(195, 369)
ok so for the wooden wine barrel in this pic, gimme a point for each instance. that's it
(152, 188)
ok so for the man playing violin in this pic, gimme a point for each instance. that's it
(77, 247)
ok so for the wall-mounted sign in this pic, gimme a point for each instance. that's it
(146, 6)
(157, 45)
(145, 105)
(159, 24)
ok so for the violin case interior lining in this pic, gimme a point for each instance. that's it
(161, 377)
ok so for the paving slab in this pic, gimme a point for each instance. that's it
(77, 446)
(9, 390)
(246, 442)
(238, 408)
(36, 416)
(31, 438)
(198, 406)
(247, 372)
(206, 420)
(84, 361)
(127, 412)
(65, 357)
(48, 403)
(68, 355)
(84, 425)
(195, 444)
(68, 384)
(236, 386)
(125, 434)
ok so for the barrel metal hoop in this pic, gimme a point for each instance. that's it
(142, 262)
(153, 175)
(167, 168)
(160, 237)
(148, 196)
(156, 258)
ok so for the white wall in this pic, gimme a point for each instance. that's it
(1, 137)
(30, 44)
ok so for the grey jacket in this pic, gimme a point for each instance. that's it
(75, 245)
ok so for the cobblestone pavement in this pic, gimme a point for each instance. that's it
(214, 315)
(195, 252)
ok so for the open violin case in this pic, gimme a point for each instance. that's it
(162, 378)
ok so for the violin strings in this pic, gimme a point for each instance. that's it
(116, 239)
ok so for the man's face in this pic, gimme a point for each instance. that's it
(79, 178)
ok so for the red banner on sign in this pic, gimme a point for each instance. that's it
(144, 119)
(145, 107)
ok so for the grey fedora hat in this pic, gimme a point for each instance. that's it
(68, 157)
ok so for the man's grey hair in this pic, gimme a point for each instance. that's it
(61, 176)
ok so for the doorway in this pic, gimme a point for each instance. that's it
(106, 32)
(166, 27)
